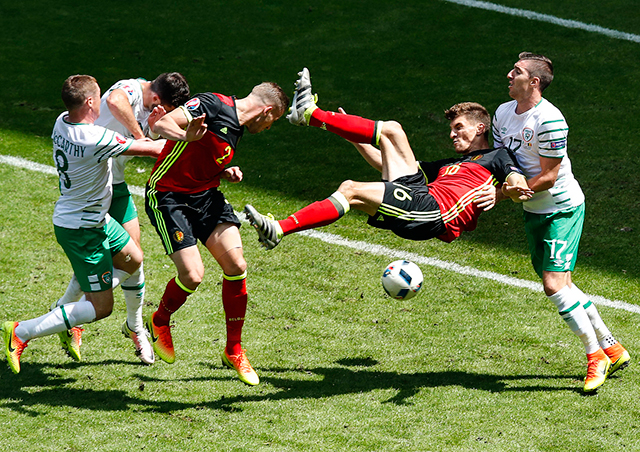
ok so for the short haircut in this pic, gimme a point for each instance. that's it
(473, 111)
(76, 89)
(172, 89)
(540, 66)
(271, 94)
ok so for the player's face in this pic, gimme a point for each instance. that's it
(465, 134)
(519, 80)
(263, 122)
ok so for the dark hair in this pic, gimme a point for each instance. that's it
(540, 67)
(172, 88)
(76, 89)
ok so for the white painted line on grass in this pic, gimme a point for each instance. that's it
(372, 248)
(532, 15)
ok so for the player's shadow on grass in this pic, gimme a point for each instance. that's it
(338, 381)
(34, 387)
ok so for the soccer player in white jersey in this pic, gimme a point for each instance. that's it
(130, 107)
(99, 248)
(537, 132)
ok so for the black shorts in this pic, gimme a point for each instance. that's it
(182, 219)
(409, 210)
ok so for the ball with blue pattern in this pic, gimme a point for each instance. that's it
(402, 279)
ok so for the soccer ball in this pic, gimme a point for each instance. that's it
(402, 280)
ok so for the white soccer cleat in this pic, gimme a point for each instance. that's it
(144, 351)
(304, 102)
(265, 226)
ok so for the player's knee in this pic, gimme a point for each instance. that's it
(347, 188)
(191, 278)
(237, 267)
(392, 129)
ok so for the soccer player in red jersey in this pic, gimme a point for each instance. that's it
(184, 205)
(415, 200)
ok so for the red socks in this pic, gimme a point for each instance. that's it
(174, 296)
(234, 301)
(320, 213)
(350, 127)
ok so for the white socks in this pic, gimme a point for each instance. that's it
(60, 319)
(605, 338)
(133, 290)
(572, 312)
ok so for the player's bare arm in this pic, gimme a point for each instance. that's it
(120, 108)
(547, 177)
(516, 188)
(146, 148)
(157, 113)
(177, 127)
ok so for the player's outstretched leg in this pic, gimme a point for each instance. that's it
(304, 102)
(315, 215)
(305, 112)
(71, 339)
(268, 229)
(141, 342)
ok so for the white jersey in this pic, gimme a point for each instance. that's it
(539, 132)
(82, 154)
(133, 90)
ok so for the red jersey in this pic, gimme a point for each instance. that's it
(192, 167)
(457, 181)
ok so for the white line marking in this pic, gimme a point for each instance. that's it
(371, 248)
(532, 15)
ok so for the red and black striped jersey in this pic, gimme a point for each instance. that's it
(455, 183)
(197, 166)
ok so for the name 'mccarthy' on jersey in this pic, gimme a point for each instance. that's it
(82, 155)
(192, 167)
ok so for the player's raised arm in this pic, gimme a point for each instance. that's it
(177, 126)
(121, 110)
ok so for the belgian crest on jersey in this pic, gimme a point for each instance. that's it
(527, 134)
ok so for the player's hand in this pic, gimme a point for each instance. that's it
(486, 198)
(232, 174)
(516, 192)
(157, 113)
(196, 129)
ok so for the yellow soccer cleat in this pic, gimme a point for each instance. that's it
(13, 346)
(161, 340)
(597, 370)
(241, 365)
(619, 357)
